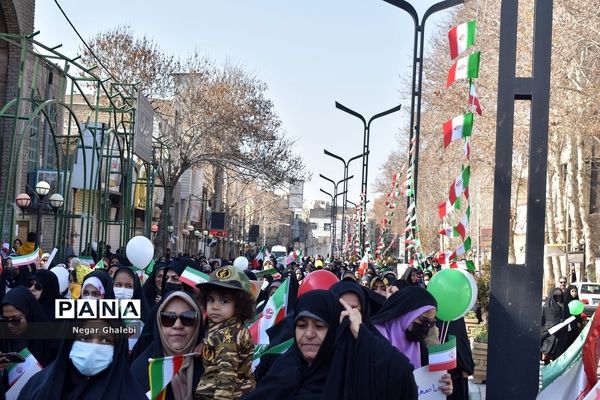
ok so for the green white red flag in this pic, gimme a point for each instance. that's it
(466, 246)
(460, 184)
(160, 373)
(463, 264)
(444, 258)
(193, 277)
(446, 207)
(463, 68)
(463, 226)
(442, 357)
(457, 128)
(274, 311)
(461, 37)
(573, 374)
(474, 100)
(26, 259)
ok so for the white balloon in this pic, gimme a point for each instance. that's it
(240, 263)
(140, 251)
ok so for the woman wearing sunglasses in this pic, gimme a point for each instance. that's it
(177, 330)
(21, 313)
(43, 284)
(405, 320)
(91, 364)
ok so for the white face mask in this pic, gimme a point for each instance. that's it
(91, 358)
(122, 293)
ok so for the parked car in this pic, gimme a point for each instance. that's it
(589, 294)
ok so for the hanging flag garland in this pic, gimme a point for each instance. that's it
(460, 39)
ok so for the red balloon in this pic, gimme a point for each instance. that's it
(320, 279)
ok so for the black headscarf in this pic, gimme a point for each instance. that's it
(406, 276)
(43, 350)
(353, 287)
(155, 349)
(21, 279)
(50, 291)
(552, 312)
(150, 288)
(178, 265)
(291, 377)
(61, 380)
(106, 281)
(402, 302)
(137, 290)
(575, 326)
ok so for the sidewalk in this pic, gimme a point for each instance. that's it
(476, 391)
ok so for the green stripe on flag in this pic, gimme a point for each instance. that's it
(439, 348)
(263, 350)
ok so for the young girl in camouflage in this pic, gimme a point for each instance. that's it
(227, 348)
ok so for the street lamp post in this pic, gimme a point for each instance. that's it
(333, 216)
(185, 232)
(204, 235)
(417, 85)
(56, 201)
(365, 157)
(170, 230)
(345, 188)
(197, 236)
(334, 203)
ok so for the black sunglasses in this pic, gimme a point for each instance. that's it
(187, 318)
(11, 321)
(38, 286)
(430, 323)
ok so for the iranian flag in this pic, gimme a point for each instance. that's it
(364, 264)
(27, 368)
(26, 259)
(573, 374)
(274, 311)
(463, 68)
(445, 207)
(459, 185)
(193, 277)
(473, 99)
(160, 373)
(442, 357)
(449, 231)
(457, 128)
(463, 264)
(444, 258)
(466, 246)
(462, 37)
(463, 226)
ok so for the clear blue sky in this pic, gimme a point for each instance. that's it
(311, 53)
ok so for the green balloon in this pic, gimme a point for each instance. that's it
(575, 307)
(452, 291)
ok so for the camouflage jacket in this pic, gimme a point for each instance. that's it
(227, 357)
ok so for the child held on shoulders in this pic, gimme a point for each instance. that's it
(227, 349)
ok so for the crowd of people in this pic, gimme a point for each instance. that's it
(358, 335)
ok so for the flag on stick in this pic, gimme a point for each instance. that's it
(273, 312)
(473, 99)
(459, 185)
(442, 357)
(461, 37)
(193, 277)
(463, 68)
(457, 128)
(26, 259)
(161, 371)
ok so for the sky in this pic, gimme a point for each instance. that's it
(310, 53)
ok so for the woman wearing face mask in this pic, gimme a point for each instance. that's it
(20, 314)
(97, 285)
(170, 281)
(177, 330)
(127, 286)
(405, 320)
(91, 367)
(552, 314)
(43, 284)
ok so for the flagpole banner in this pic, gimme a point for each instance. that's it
(464, 68)
(461, 38)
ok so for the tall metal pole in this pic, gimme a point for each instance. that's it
(345, 197)
(365, 157)
(417, 85)
(334, 202)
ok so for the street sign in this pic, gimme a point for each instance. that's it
(220, 233)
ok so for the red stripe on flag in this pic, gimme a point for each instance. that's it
(453, 40)
(443, 366)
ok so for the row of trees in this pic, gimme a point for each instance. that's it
(574, 117)
(221, 120)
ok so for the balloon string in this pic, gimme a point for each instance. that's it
(447, 327)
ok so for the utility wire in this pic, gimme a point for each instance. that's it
(84, 42)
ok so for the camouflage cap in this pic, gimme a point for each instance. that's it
(229, 277)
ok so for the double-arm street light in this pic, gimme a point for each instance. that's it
(334, 205)
(365, 157)
(333, 218)
(345, 189)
